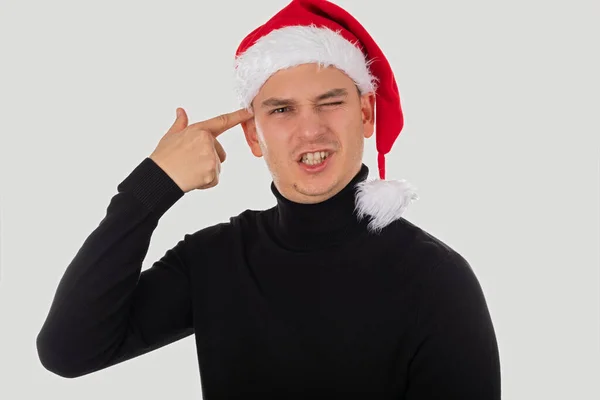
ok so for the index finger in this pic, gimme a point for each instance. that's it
(223, 122)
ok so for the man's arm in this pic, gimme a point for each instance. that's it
(105, 311)
(457, 353)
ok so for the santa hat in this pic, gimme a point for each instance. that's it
(318, 31)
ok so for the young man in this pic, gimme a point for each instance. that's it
(329, 294)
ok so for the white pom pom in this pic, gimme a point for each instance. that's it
(383, 200)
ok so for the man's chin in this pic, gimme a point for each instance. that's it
(315, 191)
(313, 183)
(316, 188)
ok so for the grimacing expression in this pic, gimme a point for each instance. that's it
(310, 108)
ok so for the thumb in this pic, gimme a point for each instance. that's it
(181, 122)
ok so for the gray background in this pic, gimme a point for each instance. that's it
(501, 139)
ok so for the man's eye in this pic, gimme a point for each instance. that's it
(278, 110)
(336, 103)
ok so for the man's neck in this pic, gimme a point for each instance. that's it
(316, 225)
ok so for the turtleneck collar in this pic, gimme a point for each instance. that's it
(299, 226)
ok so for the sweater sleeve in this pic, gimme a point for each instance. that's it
(456, 356)
(105, 310)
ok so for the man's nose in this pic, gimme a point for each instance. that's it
(309, 122)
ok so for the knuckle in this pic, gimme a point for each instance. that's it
(201, 134)
(202, 138)
(212, 165)
(210, 178)
(223, 119)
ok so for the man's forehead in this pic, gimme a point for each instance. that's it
(310, 82)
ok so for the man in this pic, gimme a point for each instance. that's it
(329, 294)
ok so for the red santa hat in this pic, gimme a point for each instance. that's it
(318, 31)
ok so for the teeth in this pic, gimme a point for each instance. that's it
(314, 158)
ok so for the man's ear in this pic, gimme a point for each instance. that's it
(367, 106)
(249, 128)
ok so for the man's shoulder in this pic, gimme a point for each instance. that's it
(420, 245)
(223, 232)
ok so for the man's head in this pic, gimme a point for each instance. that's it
(302, 114)
(316, 81)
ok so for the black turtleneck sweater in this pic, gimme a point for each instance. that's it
(294, 302)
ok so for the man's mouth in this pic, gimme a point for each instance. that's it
(314, 158)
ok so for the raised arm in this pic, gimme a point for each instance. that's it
(105, 310)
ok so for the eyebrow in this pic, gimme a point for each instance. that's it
(280, 102)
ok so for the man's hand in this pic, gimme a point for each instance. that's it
(191, 155)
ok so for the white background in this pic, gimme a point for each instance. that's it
(501, 140)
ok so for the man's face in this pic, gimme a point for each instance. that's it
(302, 114)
